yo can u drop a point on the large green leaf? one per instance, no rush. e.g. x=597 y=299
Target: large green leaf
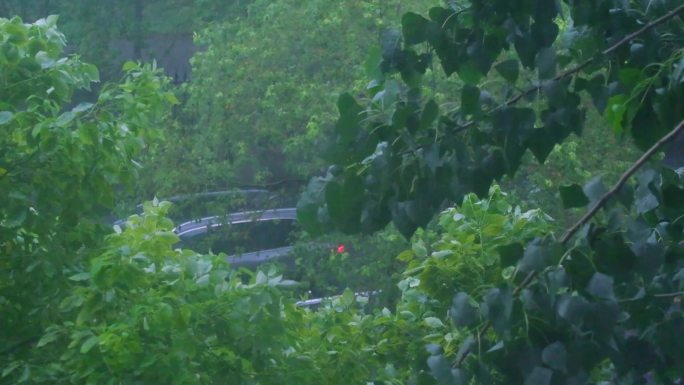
x=537 y=255
x=462 y=311
x=509 y=70
x=555 y=356
x=573 y=196
x=470 y=100
x=5 y=117
x=498 y=308
x=546 y=63
x=414 y=28
x=601 y=286
x=539 y=376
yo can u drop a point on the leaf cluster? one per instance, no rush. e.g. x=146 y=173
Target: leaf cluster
x=405 y=164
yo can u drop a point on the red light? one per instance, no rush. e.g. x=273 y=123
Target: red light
x=340 y=248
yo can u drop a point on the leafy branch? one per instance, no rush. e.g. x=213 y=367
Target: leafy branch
x=623 y=179
x=583 y=65
x=590 y=214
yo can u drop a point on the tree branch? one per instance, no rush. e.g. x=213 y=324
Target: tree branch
x=586 y=63
x=623 y=179
x=599 y=204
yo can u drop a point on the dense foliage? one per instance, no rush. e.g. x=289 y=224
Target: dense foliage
x=60 y=166
x=382 y=158
x=367 y=264
x=144 y=312
x=491 y=292
x=599 y=308
x=261 y=105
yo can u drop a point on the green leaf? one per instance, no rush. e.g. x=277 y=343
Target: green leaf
x=462 y=312
x=597 y=89
x=469 y=73
x=47 y=338
x=261 y=278
x=308 y=206
x=433 y=322
x=535 y=258
x=466 y=347
x=541 y=142
x=64 y=119
x=555 y=356
x=285 y=283
x=614 y=257
x=44 y=59
x=470 y=100
x=10 y=368
x=83 y=106
x=601 y=286
x=645 y=200
x=430 y=113
x=679 y=276
x=572 y=308
x=508 y=69
x=372 y=64
x=348 y=124
x=89 y=343
x=419 y=249
x=91 y=72
x=440 y=369
x=344 y=202
x=630 y=77
x=16 y=217
x=84 y=276
x=414 y=28
x=171 y=98
x=573 y=196
x=25 y=375
x=539 y=376
x=594 y=189
x=5 y=117
x=498 y=307
x=129 y=66
x=546 y=63
x=510 y=254
x=347 y=298
x=51 y=20
x=441 y=254
x=615 y=112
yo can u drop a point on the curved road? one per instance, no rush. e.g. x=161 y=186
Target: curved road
x=202 y=225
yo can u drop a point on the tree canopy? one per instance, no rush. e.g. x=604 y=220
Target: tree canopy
x=261 y=106
x=491 y=290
